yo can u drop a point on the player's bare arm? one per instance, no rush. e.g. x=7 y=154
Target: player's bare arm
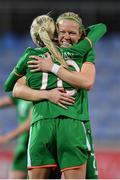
x=83 y=79
x=57 y=95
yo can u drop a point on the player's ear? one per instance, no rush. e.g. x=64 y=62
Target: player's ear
x=80 y=34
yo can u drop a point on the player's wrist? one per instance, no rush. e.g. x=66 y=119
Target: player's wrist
x=48 y=95
x=41 y=95
x=55 y=69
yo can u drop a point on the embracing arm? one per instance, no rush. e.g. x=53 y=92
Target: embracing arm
x=83 y=79
x=57 y=95
x=95 y=32
x=21 y=90
x=10 y=81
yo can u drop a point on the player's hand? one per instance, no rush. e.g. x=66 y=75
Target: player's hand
x=40 y=64
x=60 y=97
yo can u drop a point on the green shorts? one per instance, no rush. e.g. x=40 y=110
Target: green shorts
x=20 y=156
x=91 y=169
x=60 y=141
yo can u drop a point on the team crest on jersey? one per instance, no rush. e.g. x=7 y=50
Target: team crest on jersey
x=67 y=55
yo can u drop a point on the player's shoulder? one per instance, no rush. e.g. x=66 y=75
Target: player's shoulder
x=29 y=49
x=35 y=50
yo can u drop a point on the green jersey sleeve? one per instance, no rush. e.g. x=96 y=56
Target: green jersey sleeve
x=90 y=57
x=21 y=66
x=18 y=71
x=10 y=81
x=82 y=47
x=95 y=32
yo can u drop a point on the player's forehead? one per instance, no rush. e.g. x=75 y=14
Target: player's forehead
x=68 y=24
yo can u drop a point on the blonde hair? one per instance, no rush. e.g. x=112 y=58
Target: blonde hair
x=42 y=32
x=43 y=21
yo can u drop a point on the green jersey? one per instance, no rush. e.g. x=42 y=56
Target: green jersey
x=41 y=80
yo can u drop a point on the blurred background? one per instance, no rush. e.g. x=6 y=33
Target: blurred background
x=15 y=21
